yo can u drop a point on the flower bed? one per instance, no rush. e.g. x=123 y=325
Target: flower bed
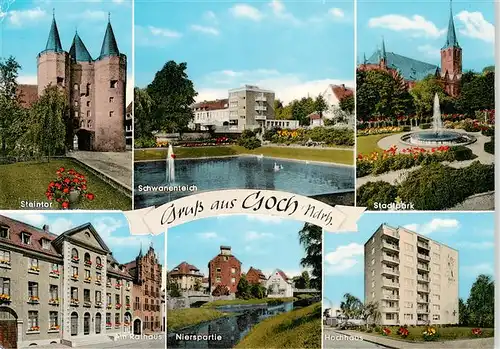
x=68 y=186
x=430 y=334
x=390 y=160
x=204 y=143
x=300 y=136
x=432 y=187
x=382 y=130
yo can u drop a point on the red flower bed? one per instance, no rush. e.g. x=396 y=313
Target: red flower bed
x=66 y=183
x=477 y=332
x=386 y=331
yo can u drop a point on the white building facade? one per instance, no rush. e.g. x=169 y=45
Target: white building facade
x=279 y=285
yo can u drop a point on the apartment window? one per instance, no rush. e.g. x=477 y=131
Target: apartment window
x=373 y=294
x=409 y=258
x=60 y=81
x=98 y=297
x=98 y=276
x=373 y=284
x=111 y=113
x=373 y=261
x=233 y=270
x=26 y=238
x=4 y=232
x=409 y=282
x=111 y=99
x=117 y=298
x=437 y=297
x=117 y=318
x=108 y=318
x=233 y=280
x=89 y=124
x=33 y=262
x=82 y=124
x=409 y=270
x=408 y=316
x=54 y=292
x=436 y=307
x=87 y=90
x=409 y=305
x=108 y=298
x=88 y=113
x=86 y=295
x=113 y=83
x=390 y=316
x=33 y=319
x=74 y=293
x=373 y=250
x=408 y=293
x=88 y=103
x=137 y=304
x=5 y=257
x=373 y=272
x=408 y=247
x=373 y=240
x=53 y=319
x=74 y=254
x=75 y=103
x=436 y=267
x=32 y=289
x=77 y=114
x=146 y=322
x=436 y=277
x=218 y=279
x=87 y=274
x=75 y=87
x=5 y=286
x=75 y=272
x=436 y=317
x=146 y=304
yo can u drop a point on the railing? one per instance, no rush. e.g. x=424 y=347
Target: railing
x=260 y=108
x=422 y=300
x=423 y=289
x=423 y=278
x=260 y=98
x=389 y=309
x=424 y=257
x=387 y=283
x=386 y=257
x=423 y=245
x=390 y=271
x=390 y=296
x=388 y=245
x=423 y=267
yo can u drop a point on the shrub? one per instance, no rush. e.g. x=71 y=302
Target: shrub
x=220 y=290
x=273 y=302
x=369 y=330
x=145 y=142
x=406 y=129
x=461 y=153
x=249 y=143
x=489 y=147
x=269 y=133
x=488 y=131
x=376 y=192
x=425 y=126
x=363 y=168
x=430 y=334
x=377 y=329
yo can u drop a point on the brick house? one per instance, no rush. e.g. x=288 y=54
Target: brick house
x=224 y=269
x=256 y=276
x=187 y=276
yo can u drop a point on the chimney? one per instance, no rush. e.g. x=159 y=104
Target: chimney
x=343 y=86
x=225 y=250
x=46 y=228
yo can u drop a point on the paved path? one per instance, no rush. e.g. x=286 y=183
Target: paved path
x=125 y=343
x=479 y=343
x=339 y=340
x=117 y=166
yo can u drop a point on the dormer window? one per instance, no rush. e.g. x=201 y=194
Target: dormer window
x=46 y=244
x=4 y=232
x=26 y=238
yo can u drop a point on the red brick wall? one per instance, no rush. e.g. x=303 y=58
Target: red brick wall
x=253 y=277
x=226 y=273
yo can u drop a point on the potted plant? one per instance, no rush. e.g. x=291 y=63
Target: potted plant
x=68 y=188
x=4 y=298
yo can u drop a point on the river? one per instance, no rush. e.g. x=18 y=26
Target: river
x=227 y=332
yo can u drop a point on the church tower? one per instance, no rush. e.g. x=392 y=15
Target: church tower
x=53 y=63
x=451 y=60
x=110 y=93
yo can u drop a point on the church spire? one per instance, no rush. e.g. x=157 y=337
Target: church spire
x=451 y=37
x=78 y=51
x=109 y=46
x=54 y=40
x=384 y=54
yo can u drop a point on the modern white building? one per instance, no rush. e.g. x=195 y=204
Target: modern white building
x=280 y=123
x=210 y=114
x=279 y=285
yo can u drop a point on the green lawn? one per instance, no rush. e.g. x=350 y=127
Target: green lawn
x=445 y=333
x=299 y=328
x=245 y=301
x=339 y=156
x=180 y=318
x=29 y=181
x=367 y=144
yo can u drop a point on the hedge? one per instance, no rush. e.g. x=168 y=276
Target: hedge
x=489 y=147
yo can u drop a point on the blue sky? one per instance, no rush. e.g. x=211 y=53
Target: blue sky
x=291 y=47
x=264 y=242
x=28 y=22
x=417 y=29
x=472 y=234
x=111 y=226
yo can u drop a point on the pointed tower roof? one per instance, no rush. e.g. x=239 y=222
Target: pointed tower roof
x=451 y=37
x=109 y=45
x=140 y=252
x=54 y=40
x=364 y=58
x=78 y=51
x=384 y=54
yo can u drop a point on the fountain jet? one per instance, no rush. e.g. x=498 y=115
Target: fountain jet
x=437 y=122
x=170 y=175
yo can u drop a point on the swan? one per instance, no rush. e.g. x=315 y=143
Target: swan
x=276 y=167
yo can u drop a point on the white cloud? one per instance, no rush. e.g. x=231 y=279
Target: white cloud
x=60 y=225
x=35 y=219
x=154 y=36
x=416 y=24
x=279 y=11
x=208 y=235
x=343 y=259
x=246 y=11
x=476 y=26
x=336 y=13
x=430 y=50
x=210 y=16
x=286 y=86
x=254 y=235
x=27 y=80
x=265 y=218
x=167 y=33
x=93 y=15
x=474 y=270
x=205 y=29
x=435 y=225
x=22 y=17
x=484 y=245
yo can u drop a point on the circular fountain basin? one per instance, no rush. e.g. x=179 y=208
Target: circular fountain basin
x=433 y=138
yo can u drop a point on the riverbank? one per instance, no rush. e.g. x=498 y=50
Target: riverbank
x=296 y=329
x=180 y=318
x=221 y=303
x=337 y=155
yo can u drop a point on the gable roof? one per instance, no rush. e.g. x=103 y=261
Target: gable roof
x=314 y=116
x=258 y=272
x=185 y=269
x=341 y=91
x=212 y=105
x=78 y=229
x=410 y=69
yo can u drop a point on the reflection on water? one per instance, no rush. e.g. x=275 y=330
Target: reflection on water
x=241 y=173
x=231 y=329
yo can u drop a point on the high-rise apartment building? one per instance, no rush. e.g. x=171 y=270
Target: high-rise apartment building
x=250 y=107
x=413 y=279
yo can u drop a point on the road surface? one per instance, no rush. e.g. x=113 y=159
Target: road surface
x=337 y=340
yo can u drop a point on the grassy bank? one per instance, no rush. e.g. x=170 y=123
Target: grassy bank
x=296 y=329
x=444 y=333
x=367 y=144
x=180 y=318
x=340 y=156
x=220 y=303
x=28 y=181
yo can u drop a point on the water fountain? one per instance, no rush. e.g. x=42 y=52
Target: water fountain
x=438 y=135
x=170 y=168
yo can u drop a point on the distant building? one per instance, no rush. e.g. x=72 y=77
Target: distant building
x=333 y=95
x=147 y=273
x=187 y=276
x=224 y=269
x=129 y=127
x=281 y=123
x=210 y=114
x=279 y=285
x=256 y=276
x=413 y=279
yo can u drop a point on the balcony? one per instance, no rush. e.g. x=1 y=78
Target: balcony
x=422 y=278
x=75 y=259
x=54 y=301
x=98 y=266
x=394 y=234
x=422 y=289
x=87 y=280
x=260 y=98
x=98 y=305
x=388 y=258
x=423 y=311
x=423 y=267
x=54 y=274
x=423 y=300
x=87 y=304
x=260 y=108
x=389 y=309
x=390 y=284
x=390 y=271
x=422 y=322
x=34 y=270
x=389 y=246
x=260 y=117
x=393 y=322
x=423 y=245
x=423 y=257
x=33 y=300
x=87 y=263
x=74 y=302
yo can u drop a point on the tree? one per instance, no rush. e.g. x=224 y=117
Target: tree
x=197 y=285
x=320 y=105
x=300 y=109
x=243 y=289
x=481 y=302
x=351 y=307
x=346 y=104
x=9 y=71
x=477 y=93
x=489 y=69
x=423 y=94
x=257 y=291
x=220 y=290
x=370 y=311
x=303 y=281
x=173 y=94
x=173 y=289
x=463 y=313
x=310 y=236
x=143 y=106
x=47 y=129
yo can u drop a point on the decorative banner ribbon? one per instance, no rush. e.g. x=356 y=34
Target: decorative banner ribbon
x=243 y=202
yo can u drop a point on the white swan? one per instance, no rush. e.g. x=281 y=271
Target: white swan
x=276 y=167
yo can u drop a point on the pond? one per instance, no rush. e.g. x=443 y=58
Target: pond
x=244 y=172
x=229 y=329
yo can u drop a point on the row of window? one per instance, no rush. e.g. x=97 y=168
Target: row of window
x=112 y=84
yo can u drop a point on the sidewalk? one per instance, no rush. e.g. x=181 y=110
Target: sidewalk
x=479 y=343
